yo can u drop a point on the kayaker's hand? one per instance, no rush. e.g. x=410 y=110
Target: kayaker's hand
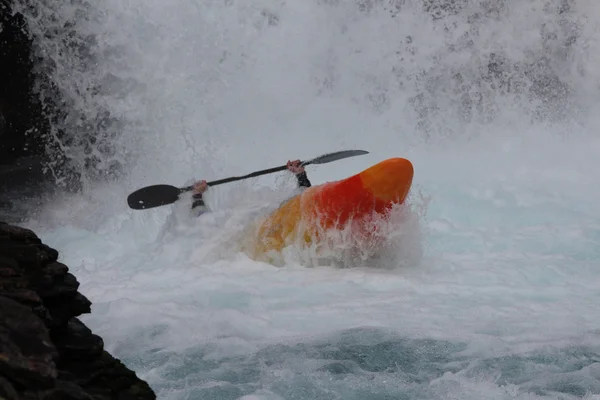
x=295 y=167
x=200 y=187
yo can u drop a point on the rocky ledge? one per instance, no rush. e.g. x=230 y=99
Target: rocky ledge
x=45 y=351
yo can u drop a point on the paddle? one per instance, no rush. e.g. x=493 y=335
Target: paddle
x=160 y=195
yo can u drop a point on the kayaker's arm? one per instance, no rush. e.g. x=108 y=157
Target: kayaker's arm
x=198 y=205
x=297 y=169
x=303 y=179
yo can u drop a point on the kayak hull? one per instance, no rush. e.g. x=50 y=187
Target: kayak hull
x=333 y=205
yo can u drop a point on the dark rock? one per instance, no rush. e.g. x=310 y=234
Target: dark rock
x=25 y=120
x=62 y=311
x=23 y=296
x=7 y=272
x=32 y=109
x=18 y=233
x=67 y=391
x=26 y=353
x=78 y=342
x=65 y=285
x=43 y=313
x=13 y=281
x=104 y=377
x=45 y=352
x=7 y=391
x=9 y=263
x=27 y=255
x=15 y=286
x=56 y=269
x=2 y=124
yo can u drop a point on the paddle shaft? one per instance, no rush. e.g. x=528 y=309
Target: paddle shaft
x=159 y=195
x=239 y=178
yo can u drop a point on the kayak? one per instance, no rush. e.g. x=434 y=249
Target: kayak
x=305 y=217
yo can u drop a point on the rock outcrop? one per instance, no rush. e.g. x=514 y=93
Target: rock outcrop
x=22 y=121
x=46 y=352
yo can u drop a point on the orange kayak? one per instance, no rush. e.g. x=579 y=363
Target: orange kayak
x=333 y=205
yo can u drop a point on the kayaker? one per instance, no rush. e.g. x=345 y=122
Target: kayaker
x=199 y=207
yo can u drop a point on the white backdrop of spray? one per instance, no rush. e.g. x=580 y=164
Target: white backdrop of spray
x=492 y=294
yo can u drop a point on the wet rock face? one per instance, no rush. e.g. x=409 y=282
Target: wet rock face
x=21 y=119
x=46 y=352
x=2 y=124
x=22 y=123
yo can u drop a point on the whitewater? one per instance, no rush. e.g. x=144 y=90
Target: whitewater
x=491 y=287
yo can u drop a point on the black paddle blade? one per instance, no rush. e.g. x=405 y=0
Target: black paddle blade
x=338 y=155
x=153 y=196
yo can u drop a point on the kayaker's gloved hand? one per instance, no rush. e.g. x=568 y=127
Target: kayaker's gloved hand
x=298 y=169
x=199 y=188
x=198 y=204
x=295 y=167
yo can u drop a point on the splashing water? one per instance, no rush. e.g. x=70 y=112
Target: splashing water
x=489 y=290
